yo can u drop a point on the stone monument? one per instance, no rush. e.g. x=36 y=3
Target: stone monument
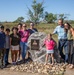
x=36 y=49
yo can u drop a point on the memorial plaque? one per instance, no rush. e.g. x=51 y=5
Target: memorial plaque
x=35 y=44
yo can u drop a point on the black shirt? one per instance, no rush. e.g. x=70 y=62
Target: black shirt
x=32 y=30
x=15 y=39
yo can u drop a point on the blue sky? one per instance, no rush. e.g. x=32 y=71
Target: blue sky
x=10 y=10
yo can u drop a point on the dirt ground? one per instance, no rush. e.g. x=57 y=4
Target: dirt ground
x=6 y=72
x=69 y=72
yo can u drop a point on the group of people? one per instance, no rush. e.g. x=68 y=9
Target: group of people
x=65 y=34
x=17 y=43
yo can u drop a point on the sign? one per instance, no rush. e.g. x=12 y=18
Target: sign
x=35 y=44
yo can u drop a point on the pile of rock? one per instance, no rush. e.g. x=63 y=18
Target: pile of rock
x=34 y=67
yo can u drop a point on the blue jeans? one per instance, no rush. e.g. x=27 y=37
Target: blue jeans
x=6 y=56
x=23 y=49
x=63 y=44
x=72 y=59
x=71 y=48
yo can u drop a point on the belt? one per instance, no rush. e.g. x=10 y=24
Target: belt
x=63 y=39
x=70 y=39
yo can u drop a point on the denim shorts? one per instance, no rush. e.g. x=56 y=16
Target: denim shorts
x=15 y=47
x=50 y=51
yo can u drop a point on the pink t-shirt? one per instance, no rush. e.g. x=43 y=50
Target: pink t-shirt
x=24 y=35
x=49 y=44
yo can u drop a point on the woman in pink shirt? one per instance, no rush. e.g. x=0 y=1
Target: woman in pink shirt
x=24 y=38
x=49 y=43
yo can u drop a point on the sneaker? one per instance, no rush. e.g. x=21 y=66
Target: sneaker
x=23 y=61
x=2 y=67
x=71 y=67
x=7 y=64
x=13 y=63
x=18 y=60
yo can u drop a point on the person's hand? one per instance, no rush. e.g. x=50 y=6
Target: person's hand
x=73 y=45
x=43 y=45
x=11 y=47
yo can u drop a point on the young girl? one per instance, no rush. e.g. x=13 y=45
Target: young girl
x=49 y=43
x=70 y=35
x=14 y=42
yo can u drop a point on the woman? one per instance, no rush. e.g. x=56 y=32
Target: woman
x=72 y=55
x=19 y=27
x=69 y=29
x=19 y=31
x=24 y=38
x=14 y=42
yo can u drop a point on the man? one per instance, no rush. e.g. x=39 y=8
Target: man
x=62 y=39
x=2 y=49
x=32 y=29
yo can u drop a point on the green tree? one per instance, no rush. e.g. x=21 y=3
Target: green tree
x=62 y=16
x=50 y=17
x=37 y=11
x=27 y=21
x=19 y=19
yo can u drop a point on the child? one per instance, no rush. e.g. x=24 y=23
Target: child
x=49 y=43
x=14 y=42
x=7 y=46
x=2 y=49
